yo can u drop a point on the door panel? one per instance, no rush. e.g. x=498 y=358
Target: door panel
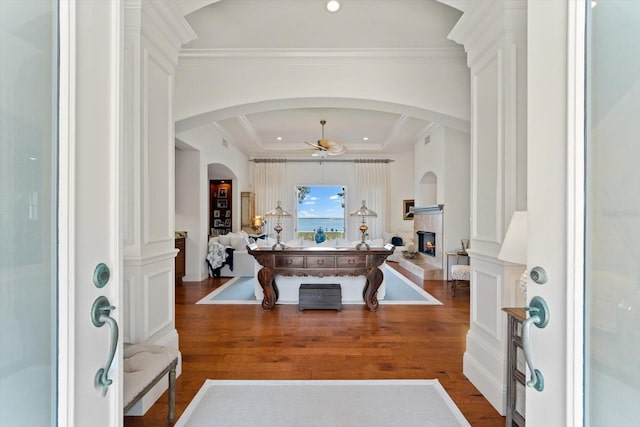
x=584 y=213
x=612 y=235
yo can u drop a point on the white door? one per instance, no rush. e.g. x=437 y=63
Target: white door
x=59 y=80
x=584 y=210
x=89 y=223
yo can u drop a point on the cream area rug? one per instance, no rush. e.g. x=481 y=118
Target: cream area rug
x=398 y=290
x=322 y=403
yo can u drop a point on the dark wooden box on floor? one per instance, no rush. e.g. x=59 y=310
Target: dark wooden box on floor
x=323 y=296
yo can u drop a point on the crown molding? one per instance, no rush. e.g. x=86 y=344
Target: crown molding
x=484 y=23
x=453 y=55
x=161 y=22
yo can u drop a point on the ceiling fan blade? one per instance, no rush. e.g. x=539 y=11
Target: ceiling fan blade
x=316 y=146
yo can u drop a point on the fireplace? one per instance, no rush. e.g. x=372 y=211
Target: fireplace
x=427 y=243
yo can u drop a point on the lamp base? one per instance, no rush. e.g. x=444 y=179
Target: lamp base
x=277 y=245
x=361 y=244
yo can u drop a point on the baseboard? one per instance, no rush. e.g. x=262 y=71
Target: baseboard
x=485 y=383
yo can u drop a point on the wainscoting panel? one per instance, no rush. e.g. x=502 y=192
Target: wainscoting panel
x=486 y=157
x=159 y=303
x=487 y=288
x=157 y=150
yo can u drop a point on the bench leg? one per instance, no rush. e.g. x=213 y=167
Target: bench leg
x=172 y=390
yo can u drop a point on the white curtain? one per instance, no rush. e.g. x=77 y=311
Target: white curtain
x=269 y=184
x=372 y=180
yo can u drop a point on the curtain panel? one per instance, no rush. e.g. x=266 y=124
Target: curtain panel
x=269 y=184
x=372 y=186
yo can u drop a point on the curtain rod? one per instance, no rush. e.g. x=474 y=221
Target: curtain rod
x=320 y=161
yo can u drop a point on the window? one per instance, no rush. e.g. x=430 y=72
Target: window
x=320 y=212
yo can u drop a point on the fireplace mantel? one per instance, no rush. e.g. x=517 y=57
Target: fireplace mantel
x=426 y=210
x=429 y=218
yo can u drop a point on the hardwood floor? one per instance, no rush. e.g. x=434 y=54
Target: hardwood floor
x=396 y=342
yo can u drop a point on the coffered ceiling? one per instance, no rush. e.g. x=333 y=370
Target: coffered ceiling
x=250 y=27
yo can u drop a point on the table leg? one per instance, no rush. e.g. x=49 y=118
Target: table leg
x=370 y=292
x=269 y=288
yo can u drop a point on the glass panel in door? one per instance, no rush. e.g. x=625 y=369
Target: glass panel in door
x=28 y=191
x=612 y=235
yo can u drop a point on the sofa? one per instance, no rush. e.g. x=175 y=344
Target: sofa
x=227 y=256
x=402 y=240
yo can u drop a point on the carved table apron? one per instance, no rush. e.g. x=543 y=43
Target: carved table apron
x=320 y=262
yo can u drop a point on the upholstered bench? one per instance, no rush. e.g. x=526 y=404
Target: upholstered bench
x=460 y=274
x=144 y=366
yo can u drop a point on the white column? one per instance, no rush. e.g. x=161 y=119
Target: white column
x=494 y=36
x=154 y=32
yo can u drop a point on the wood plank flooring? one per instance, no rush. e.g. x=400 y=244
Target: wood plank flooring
x=396 y=342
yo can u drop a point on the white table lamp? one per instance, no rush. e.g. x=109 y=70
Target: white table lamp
x=363 y=212
x=277 y=213
x=514 y=246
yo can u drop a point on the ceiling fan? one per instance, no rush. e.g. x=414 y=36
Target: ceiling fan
x=326 y=147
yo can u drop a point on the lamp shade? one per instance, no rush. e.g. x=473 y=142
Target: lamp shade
x=277 y=212
x=514 y=245
x=363 y=211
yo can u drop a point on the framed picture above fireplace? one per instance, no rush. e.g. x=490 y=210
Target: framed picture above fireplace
x=407 y=209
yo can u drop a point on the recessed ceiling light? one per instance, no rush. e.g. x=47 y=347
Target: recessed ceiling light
x=366 y=138
x=279 y=138
x=333 y=6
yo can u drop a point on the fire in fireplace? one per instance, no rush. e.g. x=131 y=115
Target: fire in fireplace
x=427 y=243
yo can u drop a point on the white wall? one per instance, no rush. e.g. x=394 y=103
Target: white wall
x=208 y=143
x=446 y=156
x=457 y=188
x=402 y=187
x=187 y=182
x=439 y=86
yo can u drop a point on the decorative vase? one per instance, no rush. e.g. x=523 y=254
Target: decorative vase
x=320 y=236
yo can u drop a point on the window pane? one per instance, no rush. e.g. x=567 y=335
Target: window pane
x=320 y=212
x=28 y=194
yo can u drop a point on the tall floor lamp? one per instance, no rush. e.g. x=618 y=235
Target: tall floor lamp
x=277 y=213
x=363 y=212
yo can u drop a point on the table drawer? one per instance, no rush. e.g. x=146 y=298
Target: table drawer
x=289 y=262
x=321 y=262
x=352 y=262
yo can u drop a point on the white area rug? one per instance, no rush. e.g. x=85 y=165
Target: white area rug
x=398 y=290
x=322 y=403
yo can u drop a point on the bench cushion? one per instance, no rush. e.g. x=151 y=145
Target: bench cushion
x=460 y=272
x=142 y=364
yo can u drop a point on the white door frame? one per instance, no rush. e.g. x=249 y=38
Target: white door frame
x=89 y=207
x=556 y=203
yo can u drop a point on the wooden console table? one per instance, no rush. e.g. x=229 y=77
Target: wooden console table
x=320 y=262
